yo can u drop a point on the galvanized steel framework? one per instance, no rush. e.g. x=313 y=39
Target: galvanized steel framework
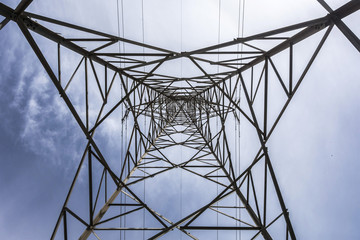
x=191 y=106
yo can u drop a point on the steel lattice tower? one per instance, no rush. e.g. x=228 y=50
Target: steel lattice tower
x=171 y=114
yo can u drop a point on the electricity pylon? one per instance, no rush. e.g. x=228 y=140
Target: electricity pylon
x=169 y=114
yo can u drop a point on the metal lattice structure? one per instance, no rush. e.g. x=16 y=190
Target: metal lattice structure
x=127 y=85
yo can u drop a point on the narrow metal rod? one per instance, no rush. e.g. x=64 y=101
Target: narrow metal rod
x=86 y=96
x=90 y=187
x=291 y=69
x=266 y=84
x=265 y=190
x=65 y=225
x=59 y=63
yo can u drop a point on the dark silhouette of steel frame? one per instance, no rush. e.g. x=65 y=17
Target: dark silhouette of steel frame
x=212 y=95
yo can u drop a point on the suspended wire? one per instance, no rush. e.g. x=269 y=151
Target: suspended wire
x=237 y=174
x=217 y=119
x=126 y=138
x=243 y=18
x=122 y=113
x=143 y=27
x=181 y=83
x=219 y=31
x=123 y=23
x=124 y=123
x=118 y=22
x=145 y=123
x=142 y=20
x=181 y=38
x=237 y=155
x=121 y=87
x=241 y=24
x=239 y=151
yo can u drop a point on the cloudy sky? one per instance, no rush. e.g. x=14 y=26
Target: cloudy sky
x=314 y=150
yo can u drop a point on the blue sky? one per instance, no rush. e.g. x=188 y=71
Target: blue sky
x=314 y=149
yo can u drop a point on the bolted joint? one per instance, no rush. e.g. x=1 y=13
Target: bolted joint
x=319 y=26
x=29 y=24
x=14 y=16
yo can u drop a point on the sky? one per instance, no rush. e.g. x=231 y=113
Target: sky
x=314 y=149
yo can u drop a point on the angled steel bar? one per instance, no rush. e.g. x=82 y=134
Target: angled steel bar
x=63 y=94
x=262 y=142
x=293 y=91
x=83 y=29
x=159 y=99
x=257 y=221
x=125 y=97
x=222 y=91
x=112 y=198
